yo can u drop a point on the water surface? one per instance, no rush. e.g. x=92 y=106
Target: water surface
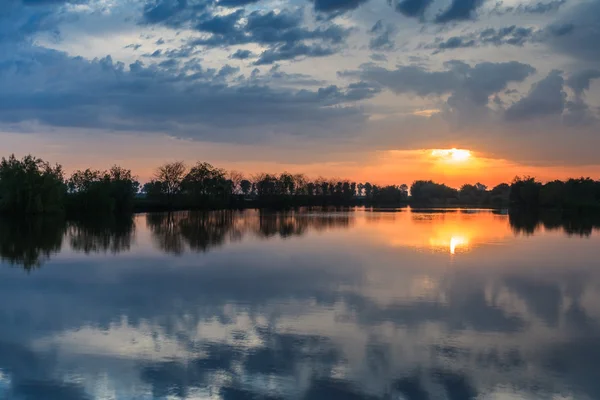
x=430 y=304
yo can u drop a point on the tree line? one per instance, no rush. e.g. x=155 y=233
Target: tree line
x=33 y=186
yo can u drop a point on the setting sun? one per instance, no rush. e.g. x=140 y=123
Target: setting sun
x=454 y=154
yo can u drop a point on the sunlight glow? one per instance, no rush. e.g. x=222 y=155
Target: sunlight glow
x=455 y=242
x=454 y=154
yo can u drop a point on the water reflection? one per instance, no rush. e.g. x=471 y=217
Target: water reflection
x=202 y=231
x=571 y=222
x=30 y=242
x=112 y=235
x=304 y=305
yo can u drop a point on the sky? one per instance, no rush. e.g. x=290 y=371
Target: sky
x=357 y=89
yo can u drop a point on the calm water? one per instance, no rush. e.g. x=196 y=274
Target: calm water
x=339 y=305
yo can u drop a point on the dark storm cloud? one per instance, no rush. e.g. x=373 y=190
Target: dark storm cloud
x=546 y=97
x=462 y=81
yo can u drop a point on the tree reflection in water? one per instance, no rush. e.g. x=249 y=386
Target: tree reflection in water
x=202 y=231
x=112 y=235
x=31 y=242
x=570 y=222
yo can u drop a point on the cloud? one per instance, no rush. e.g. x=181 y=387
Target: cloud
x=51 y=2
x=454 y=42
x=105 y=94
x=546 y=97
x=532 y=8
x=291 y=51
x=540 y=7
x=577 y=32
x=580 y=81
x=383 y=37
x=336 y=6
x=173 y=13
x=275 y=74
x=282 y=32
x=460 y=80
x=241 y=54
x=459 y=10
x=220 y=24
x=236 y=3
x=413 y=8
x=378 y=57
x=577 y=110
x=510 y=35
x=17 y=21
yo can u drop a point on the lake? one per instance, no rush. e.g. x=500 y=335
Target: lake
x=336 y=304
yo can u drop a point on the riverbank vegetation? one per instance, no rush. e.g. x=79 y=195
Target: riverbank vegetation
x=33 y=186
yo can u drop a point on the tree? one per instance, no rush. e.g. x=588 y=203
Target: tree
x=390 y=195
x=93 y=191
x=31 y=186
x=525 y=192
x=368 y=189
x=500 y=194
x=170 y=176
x=207 y=186
x=245 y=186
x=429 y=192
x=288 y=184
x=236 y=179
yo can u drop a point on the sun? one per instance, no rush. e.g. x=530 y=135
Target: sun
x=453 y=154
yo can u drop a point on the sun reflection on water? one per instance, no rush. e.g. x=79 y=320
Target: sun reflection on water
x=450 y=232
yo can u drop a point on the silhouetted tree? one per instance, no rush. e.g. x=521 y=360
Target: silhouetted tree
x=429 y=192
x=170 y=176
x=207 y=185
x=92 y=191
x=245 y=187
x=525 y=192
x=499 y=195
x=31 y=186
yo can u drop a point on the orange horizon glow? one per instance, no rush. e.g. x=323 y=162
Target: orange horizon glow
x=454 y=165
